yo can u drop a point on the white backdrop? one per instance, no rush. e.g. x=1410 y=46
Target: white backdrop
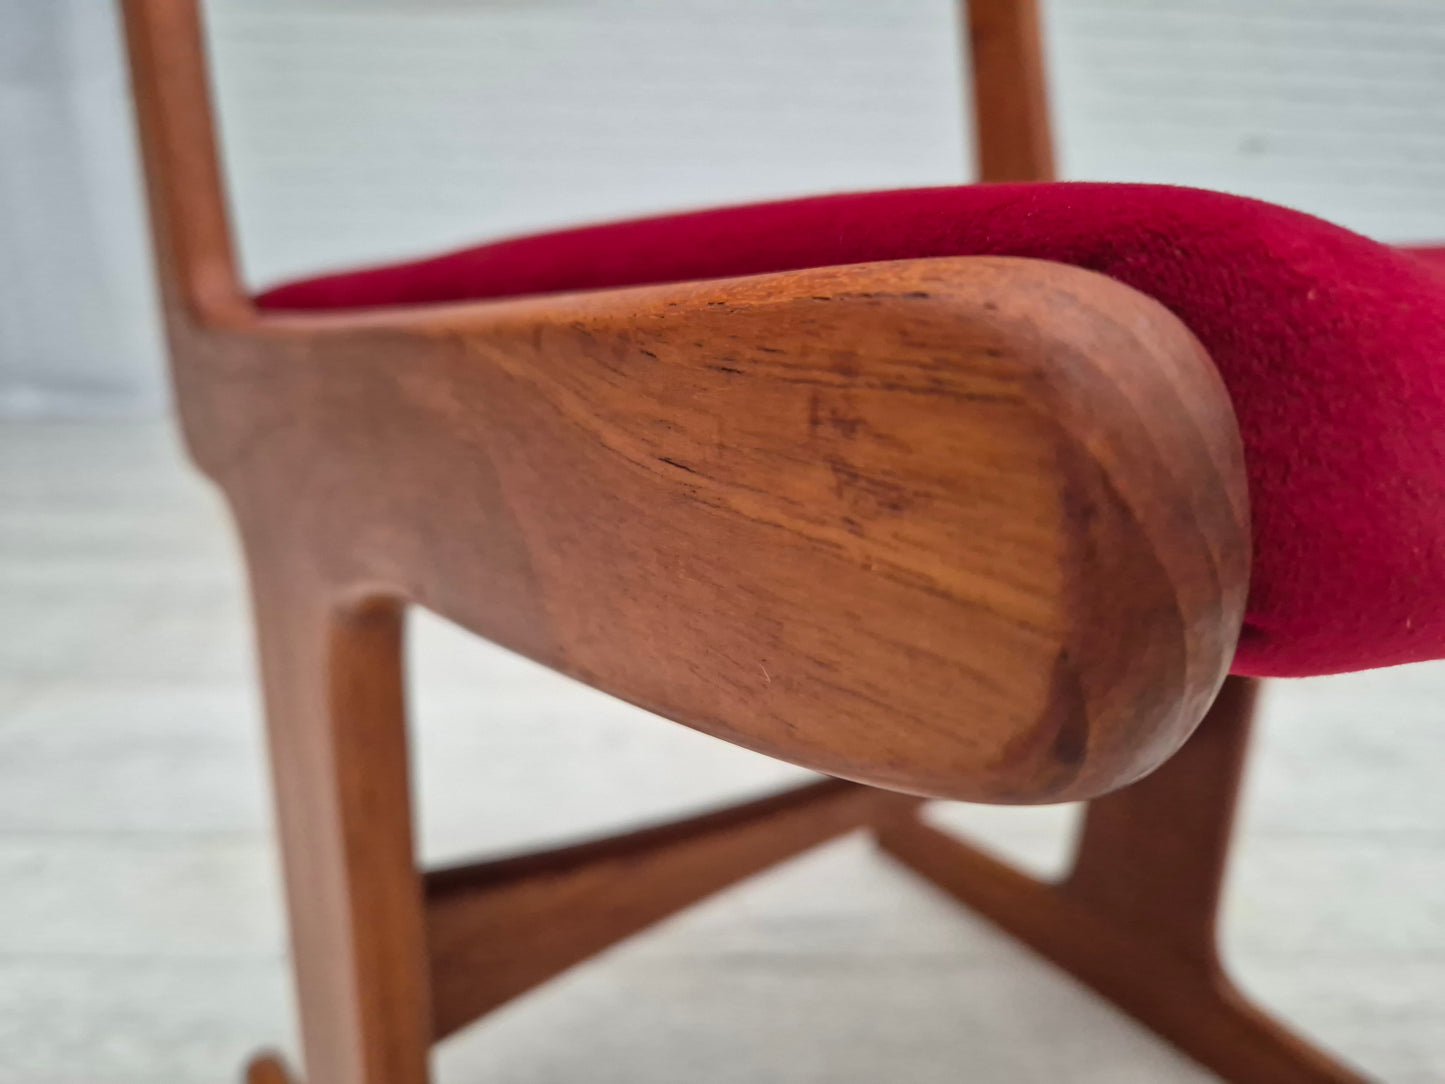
x=77 y=332
x=367 y=129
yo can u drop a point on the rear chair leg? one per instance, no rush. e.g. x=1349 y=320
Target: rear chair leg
x=1136 y=918
x=336 y=725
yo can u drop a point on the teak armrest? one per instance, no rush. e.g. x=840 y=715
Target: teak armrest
x=974 y=528
x=968 y=528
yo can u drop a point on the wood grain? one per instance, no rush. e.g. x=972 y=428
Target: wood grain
x=964 y=528
x=971 y=528
x=332 y=675
x=1010 y=102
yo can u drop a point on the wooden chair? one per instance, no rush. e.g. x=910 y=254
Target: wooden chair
x=1015 y=572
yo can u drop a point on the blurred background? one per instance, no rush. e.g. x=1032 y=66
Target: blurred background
x=140 y=929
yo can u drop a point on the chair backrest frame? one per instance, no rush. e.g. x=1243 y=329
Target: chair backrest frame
x=190 y=208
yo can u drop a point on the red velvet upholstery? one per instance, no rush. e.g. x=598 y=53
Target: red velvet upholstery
x=1332 y=346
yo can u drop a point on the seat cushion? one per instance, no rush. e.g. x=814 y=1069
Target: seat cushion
x=1332 y=347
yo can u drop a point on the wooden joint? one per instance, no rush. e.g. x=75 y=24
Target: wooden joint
x=496 y=929
x=1135 y=919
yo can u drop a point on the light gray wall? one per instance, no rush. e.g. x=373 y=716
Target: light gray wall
x=399 y=127
x=1336 y=107
x=78 y=333
x=359 y=130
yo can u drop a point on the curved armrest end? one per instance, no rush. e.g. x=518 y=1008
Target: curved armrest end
x=973 y=528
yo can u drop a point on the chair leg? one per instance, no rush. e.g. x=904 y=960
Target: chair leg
x=336 y=726
x=1136 y=918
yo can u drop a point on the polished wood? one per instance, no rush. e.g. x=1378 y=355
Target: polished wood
x=971 y=528
x=497 y=929
x=332 y=674
x=1153 y=856
x=1135 y=918
x=1012 y=137
x=966 y=528
x=195 y=255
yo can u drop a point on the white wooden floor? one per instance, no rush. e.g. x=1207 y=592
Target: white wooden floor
x=141 y=939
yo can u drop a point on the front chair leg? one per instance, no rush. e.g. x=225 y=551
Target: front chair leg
x=336 y=725
x=1136 y=917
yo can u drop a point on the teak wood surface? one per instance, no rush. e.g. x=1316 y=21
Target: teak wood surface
x=961 y=528
x=966 y=528
x=1009 y=91
x=1136 y=916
